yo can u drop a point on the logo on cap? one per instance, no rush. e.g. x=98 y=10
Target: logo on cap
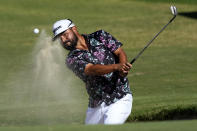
x=56 y=29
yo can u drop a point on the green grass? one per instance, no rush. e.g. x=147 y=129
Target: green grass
x=141 y=126
x=164 y=77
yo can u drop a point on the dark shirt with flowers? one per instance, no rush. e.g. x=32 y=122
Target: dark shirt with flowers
x=107 y=88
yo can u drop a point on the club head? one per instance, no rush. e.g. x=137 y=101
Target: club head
x=174 y=10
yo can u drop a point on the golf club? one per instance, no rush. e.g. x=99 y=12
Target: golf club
x=174 y=12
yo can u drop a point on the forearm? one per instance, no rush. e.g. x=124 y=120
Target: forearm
x=123 y=58
x=121 y=55
x=123 y=71
x=99 y=69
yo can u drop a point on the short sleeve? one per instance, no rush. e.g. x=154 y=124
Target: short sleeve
x=109 y=41
x=77 y=66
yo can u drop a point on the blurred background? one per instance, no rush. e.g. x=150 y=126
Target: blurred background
x=36 y=88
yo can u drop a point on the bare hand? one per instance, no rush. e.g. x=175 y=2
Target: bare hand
x=124 y=68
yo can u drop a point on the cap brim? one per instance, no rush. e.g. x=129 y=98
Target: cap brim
x=56 y=36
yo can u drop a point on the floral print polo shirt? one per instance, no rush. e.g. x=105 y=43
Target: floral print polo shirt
x=107 y=88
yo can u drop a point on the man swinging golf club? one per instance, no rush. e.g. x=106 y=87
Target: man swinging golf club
x=101 y=63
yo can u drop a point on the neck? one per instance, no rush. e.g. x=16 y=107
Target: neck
x=81 y=44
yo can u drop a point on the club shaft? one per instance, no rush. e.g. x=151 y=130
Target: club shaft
x=134 y=59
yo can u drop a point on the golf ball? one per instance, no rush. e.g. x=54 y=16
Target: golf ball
x=36 y=30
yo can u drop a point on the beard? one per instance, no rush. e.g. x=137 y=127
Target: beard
x=72 y=45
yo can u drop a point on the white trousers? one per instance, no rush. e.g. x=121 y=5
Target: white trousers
x=116 y=113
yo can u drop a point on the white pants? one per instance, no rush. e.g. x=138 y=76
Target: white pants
x=116 y=113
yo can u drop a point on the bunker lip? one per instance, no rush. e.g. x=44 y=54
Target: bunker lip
x=192 y=14
x=176 y=113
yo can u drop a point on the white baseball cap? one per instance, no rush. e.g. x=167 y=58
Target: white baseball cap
x=61 y=26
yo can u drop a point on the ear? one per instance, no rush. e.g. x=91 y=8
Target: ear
x=74 y=29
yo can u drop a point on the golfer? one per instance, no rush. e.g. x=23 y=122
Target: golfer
x=101 y=63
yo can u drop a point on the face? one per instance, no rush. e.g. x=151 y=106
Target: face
x=68 y=39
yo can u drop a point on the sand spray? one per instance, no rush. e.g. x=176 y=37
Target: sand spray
x=48 y=92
